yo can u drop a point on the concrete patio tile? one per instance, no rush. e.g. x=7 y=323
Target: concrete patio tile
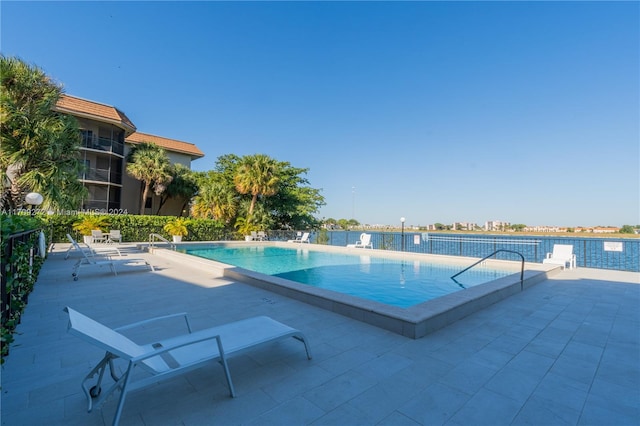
x=562 y=392
x=492 y=358
x=343 y=415
x=512 y=383
x=346 y=360
x=537 y=411
x=300 y=383
x=379 y=401
x=508 y=343
x=581 y=370
x=339 y=390
x=565 y=351
x=531 y=363
x=383 y=366
x=468 y=377
x=605 y=390
x=297 y=411
x=435 y=405
x=397 y=419
x=545 y=346
x=600 y=411
x=486 y=408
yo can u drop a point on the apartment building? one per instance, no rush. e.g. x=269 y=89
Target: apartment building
x=107 y=137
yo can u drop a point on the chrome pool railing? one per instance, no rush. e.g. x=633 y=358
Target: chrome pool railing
x=453 y=277
x=152 y=240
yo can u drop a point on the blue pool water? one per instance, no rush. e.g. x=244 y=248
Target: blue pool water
x=391 y=281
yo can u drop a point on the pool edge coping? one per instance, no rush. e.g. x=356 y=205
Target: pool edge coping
x=413 y=322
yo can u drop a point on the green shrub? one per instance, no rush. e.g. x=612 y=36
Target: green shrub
x=19 y=272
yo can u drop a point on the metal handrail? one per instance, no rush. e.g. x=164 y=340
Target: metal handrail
x=152 y=239
x=453 y=277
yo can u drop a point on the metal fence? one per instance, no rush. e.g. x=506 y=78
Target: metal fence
x=591 y=252
x=9 y=291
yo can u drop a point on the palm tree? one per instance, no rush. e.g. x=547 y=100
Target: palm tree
x=40 y=147
x=150 y=164
x=215 y=199
x=182 y=187
x=257 y=175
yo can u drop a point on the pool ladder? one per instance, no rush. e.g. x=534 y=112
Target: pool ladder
x=453 y=277
x=152 y=240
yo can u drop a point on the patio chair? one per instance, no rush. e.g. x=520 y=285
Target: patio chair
x=172 y=356
x=562 y=255
x=98 y=236
x=114 y=236
x=262 y=236
x=364 y=242
x=303 y=239
x=90 y=251
x=97 y=259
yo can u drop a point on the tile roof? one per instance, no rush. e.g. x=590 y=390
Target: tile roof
x=94 y=110
x=168 y=144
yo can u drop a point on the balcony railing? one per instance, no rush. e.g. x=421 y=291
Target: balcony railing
x=102 y=175
x=102 y=144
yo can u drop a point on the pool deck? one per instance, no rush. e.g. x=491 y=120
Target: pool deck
x=565 y=351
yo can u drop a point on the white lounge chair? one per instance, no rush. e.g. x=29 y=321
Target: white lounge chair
x=90 y=251
x=96 y=259
x=562 y=255
x=170 y=357
x=114 y=236
x=303 y=239
x=262 y=236
x=98 y=237
x=364 y=242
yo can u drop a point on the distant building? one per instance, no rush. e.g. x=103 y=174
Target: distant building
x=464 y=226
x=107 y=137
x=544 y=229
x=496 y=225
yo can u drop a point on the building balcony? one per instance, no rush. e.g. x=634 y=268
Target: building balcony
x=102 y=144
x=101 y=175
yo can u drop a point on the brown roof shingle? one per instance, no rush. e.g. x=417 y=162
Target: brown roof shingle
x=97 y=111
x=168 y=144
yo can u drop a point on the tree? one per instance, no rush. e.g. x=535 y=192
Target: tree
x=295 y=203
x=150 y=164
x=182 y=186
x=40 y=147
x=291 y=206
x=216 y=197
x=627 y=229
x=256 y=175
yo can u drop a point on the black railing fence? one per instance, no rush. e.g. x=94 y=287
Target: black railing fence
x=591 y=252
x=14 y=278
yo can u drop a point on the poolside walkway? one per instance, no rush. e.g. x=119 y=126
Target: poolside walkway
x=566 y=351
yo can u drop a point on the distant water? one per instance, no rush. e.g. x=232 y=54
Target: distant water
x=606 y=252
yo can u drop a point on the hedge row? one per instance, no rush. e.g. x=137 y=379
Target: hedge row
x=20 y=268
x=137 y=228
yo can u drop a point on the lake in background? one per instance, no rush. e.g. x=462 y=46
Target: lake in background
x=606 y=252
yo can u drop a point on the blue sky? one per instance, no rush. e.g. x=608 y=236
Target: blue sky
x=526 y=112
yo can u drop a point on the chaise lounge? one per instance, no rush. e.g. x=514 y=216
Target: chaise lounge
x=363 y=242
x=170 y=357
x=562 y=255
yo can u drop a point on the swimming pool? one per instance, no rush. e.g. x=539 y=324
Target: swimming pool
x=396 y=282
x=414 y=321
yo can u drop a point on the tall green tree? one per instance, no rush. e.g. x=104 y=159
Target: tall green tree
x=216 y=198
x=150 y=164
x=40 y=147
x=296 y=203
x=257 y=175
x=292 y=204
x=182 y=187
